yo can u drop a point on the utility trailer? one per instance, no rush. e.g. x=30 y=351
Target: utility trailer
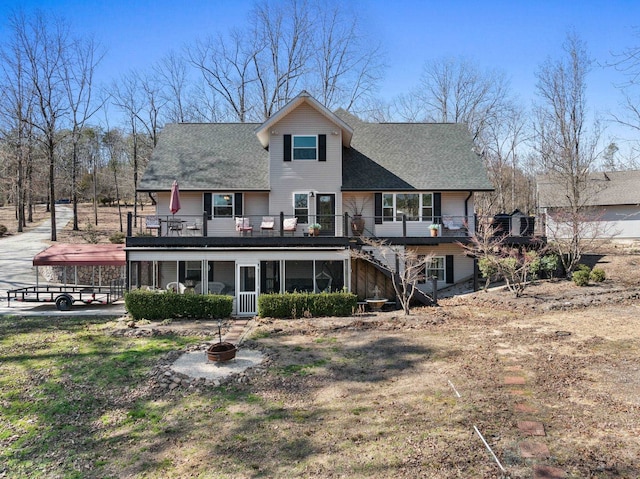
x=64 y=296
x=75 y=261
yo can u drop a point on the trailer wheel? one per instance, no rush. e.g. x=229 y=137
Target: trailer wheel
x=64 y=303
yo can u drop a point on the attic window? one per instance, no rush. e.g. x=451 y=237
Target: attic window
x=305 y=147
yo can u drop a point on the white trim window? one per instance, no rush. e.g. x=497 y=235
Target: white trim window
x=416 y=206
x=222 y=205
x=435 y=267
x=305 y=147
x=301 y=207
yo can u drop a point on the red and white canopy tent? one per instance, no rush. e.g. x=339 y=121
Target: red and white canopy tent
x=81 y=255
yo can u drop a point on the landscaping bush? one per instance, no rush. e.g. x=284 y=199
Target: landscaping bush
x=3 y=230
x=598 y=275
x=117 y=237
x=581 y=277
x=549 y=265
x=169 y=305
x=297 y=305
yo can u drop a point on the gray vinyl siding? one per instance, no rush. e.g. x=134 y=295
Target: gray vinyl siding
x=304 y=175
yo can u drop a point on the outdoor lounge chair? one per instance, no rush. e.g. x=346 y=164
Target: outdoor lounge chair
x=152 y=223
x=290 y=225
x=267 y=224
x=243 y=225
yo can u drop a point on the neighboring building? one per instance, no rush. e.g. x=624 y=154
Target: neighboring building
x=610 y=201
x=249 y=192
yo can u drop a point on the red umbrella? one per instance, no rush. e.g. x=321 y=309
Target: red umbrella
x=174 y=203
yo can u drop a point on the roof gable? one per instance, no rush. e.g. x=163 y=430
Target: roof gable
x=263 y=131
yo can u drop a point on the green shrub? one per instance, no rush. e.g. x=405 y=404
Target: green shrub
x=297 y=305
x=549 y=265
x=581 y=277
x=151 y=305
x=117 y=237
x=583 y=267
x=3 y=230
x=487 y=268
x=598 y=275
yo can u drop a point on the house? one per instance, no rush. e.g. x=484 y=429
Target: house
x=249 y=192
x=610 y=203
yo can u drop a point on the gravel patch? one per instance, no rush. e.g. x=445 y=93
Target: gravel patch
x=196 y=365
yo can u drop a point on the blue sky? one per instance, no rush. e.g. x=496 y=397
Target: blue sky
x=512 y=36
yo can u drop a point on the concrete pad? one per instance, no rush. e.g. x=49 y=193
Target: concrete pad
x=196 y=365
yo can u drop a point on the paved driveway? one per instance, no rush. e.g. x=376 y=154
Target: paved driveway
x=17 y=270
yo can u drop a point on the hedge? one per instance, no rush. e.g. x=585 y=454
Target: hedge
x=170 y=305
x=297 y=305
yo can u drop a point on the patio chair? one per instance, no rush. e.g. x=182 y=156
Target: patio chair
x=193 y=228
x=152 y=223
x=176 y=287
x=243 y=225
x=267 y=224
x=175 y=226
x=289 y=225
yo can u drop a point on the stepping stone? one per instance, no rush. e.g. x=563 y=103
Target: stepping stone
x=514 y=367
x=532 y=428
x=514 y=380
x=517 y=392
x=547 y=472
x=524 y=407
x=530 y=449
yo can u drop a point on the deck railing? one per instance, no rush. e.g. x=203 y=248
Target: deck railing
x=181 y=225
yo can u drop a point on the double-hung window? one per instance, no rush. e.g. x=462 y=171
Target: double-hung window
x=416 y=207
x=434 y=266
x=305 y=147
x=219 y=205
x=301 y=207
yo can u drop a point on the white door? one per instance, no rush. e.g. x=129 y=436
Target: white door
x=247 y=290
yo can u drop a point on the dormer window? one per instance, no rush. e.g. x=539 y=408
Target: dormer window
x=305 y=147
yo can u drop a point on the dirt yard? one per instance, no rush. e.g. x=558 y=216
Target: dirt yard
x=562 y=358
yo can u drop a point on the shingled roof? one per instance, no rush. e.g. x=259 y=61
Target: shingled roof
x=381 y=156
x=603 y=189
x=208 y=156
x=407 y=156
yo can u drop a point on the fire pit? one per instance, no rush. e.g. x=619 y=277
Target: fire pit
x=221 y=351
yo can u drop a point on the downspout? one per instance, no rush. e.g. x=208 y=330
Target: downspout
x=475 y=259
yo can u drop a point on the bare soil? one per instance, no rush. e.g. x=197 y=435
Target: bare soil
x=111 y=219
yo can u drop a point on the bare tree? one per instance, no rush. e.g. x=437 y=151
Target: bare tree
x=226 y=68
x=139 y=98
x=289 y=45
x=455 y=90
x=567 y=149
x=503 y=142
x=16 y=107
x=79 y=85
x=405 y=266
x=44 y=42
